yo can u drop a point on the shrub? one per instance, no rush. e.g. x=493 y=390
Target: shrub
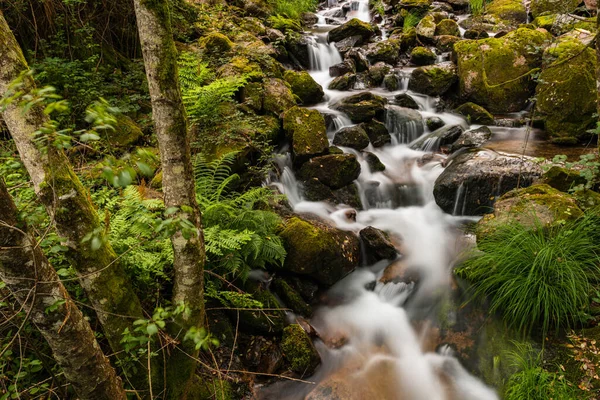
x=536 y=275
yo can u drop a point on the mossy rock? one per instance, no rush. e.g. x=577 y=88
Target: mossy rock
x=412 y=4
x=252 y=95
x=291 y=297
x=125 y=134
x=216 y=44
x=422 y=56
x=562 y=179
x=377 y=132
x=545 y=21
x=238 y=66
x=445 y=43
x=405 y=100
x=278 y=96
x=566 y=94
x=497 y=73
x=425 y=29
x=299 y=350
x=387 y=51
x=333 y=170
x=374 y=163
x=255 y=321
x=354 y=137
x=475 y=114
x=447 y=27
x=587 y=199
x=306 y=130
x=433 y=80
x=344 y=82
x=537 y=205
x=320 y=251
x=539 y=7
x=209 y=389
x=354 y=27
x=304 y=86
x=508 y=10
x=361 y=107
x=408 y=39
x=377 y=72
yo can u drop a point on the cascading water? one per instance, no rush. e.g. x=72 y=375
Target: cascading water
x=383 y=354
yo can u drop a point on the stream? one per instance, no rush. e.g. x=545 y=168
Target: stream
x=384 y=327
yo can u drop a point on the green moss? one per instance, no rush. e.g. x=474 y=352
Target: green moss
x=386 y=51
x=343 y=82
x=476 y=114
x=307 y=131
x=433 y=80
x=211 y=389
x=539 y=7
x=238 y=66
x=509 y=10
x=447 y=27
x=298 y=350
x=562 y=179
x=304 y=86
x=426 y=27
x=354 y=27
x=545 y=21
x=422 y=56
x=126 y=133
x=216 y=44
x=292 y=298
x=278 y=96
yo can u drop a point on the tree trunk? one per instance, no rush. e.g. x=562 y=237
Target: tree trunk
x=68 y=204
x=35 y=284
x=168 y=113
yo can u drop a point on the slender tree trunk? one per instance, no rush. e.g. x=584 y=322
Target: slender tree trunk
x=168 y=113
x=35 y=284
x=68 y=204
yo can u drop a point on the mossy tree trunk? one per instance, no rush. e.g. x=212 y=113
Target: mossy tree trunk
x=168 y=114
x=69 y=205
x=35 y=284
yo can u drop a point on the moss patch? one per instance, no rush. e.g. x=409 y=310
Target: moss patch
x=298 y=350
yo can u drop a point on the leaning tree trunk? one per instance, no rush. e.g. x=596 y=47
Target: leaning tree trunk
x=34 y=283
x=168 y=113
x=68 y=204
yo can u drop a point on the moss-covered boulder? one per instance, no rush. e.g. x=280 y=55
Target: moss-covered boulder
x=377 y=133
x=377 y=245
x=304 y=86
x=378 y=72
x=353 y=136
x=512 y=11
x=425 y=29
x=334 y=170
x=405 y=100
x=476 y=114
x=422 y=56
x=252 y=95
x=297 y=46
x=306 y=130
x=537 y=205
x=216 y=44
x=476 y=34
x=433 y=80
x=354 y=27
x=447 y=27
x=562 y=179
x=343 y=82
x=566 y=93
x=325 y=253
x=497 y=73
x=387 y=51
x=445 y=43
x=373 y=162
x=278 y=96
x=361 y=107
x=291 y=298
x=125 y=134
x=539 y=7
x=299 y=350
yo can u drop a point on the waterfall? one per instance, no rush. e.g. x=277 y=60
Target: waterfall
x=322 y=54
x=405 y=125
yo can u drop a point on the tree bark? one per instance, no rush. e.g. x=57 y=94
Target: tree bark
x=168 y=114
x=68 y=204
x=35 y=284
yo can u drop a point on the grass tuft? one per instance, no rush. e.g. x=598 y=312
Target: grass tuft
x=476 y=7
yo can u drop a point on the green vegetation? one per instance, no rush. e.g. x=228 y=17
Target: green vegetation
x=476 y=7
x=536 y=277
x=412 y=19
x=293 y=8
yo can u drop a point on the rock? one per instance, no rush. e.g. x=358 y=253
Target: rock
x=275 y=35
x=374 y=163
x=458 y=4
x=387 y=51
x=405 y=100
x=278 y=96
x=325 y=253
x=392 y=82
x=359 y=59
x=434 y=123
x=354 y=27
x=477 y=178
x=314 y=190
x=475 y=34
x=539 y=7
x=344 y=82
x=125 y=134
x=262 y=355
x=349 y=196
x=361 y=107
x=304 y=86
x=426 y=29
x=566 y=91
x=377 y=72
x=472 y=138
x=404 y=123
x=447 y=27
x=309 y=19
x=299 y=350
x=342 y=68
x=345 y=45
x=443 y=136
x=261 y=322
x=291 y=297
x=475 y=114
x=353 y=136
x=445 y=43
x=377 y=133
x=306 y=130
x=563 y=179
x=496 y=73
x=537 y=205
x=377 y=245
x=297 y=46
x=433 y=80
x=334 y=170
x=511 y=11
x=415 y=4
x=422 y=56
x=252 y=95
x=216 y=44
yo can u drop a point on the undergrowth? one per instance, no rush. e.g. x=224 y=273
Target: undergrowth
x=293 y=8
x=412 y=19
x=476 y=7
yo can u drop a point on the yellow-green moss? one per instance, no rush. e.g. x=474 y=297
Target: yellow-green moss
x=298 y=350
x=538 y=7
x=509 y=10
x=307 y=131
x=304 y=86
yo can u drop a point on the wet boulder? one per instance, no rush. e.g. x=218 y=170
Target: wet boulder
x=475 y=114
x=353 y=136
x=374 y=163
x=377 y=133
x=405 y=124
x=422 y=56
x=472 y=181
x=298 y=47
x=361 y=107
x=277 y=96
x=354 y=27
x=291 y=298
x=387 y=51
x=562 y=178
x=426 y=29
x=392 y=82
x=358 y=58
x=347 y=44
x=566 y=91
x=405 y=100
x=434 y=123
x=433 y=80
x=443 y=136
x=306 y=130
x=472 y=138
x=325 y=253
x=343 y=82
x=377 y=245
x=377 y=72
x=497 y=73
x=342 y=68
x=299 y=351
x=447 y=27
x=476 y=34
x=304 y=86
x=334 y=170
x=314 y=190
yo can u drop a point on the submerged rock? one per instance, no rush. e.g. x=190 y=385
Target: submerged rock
x=404 y=123
x=361 y=107
x=474 y=180
x=313 y=248
x=433 y=80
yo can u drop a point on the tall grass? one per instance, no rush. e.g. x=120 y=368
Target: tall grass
x=293 y=8
x=412 y=19
x=536 y=276
x=476 y=7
